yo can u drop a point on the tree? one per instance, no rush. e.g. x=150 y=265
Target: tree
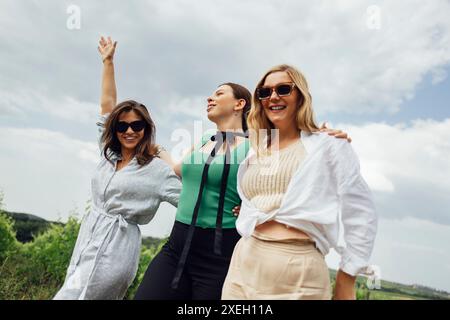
x=7 y=235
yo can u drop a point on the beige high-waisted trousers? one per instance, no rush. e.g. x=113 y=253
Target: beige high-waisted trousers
x=283 y=269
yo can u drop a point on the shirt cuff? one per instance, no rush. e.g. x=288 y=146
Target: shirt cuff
x=355 y=266
x=102 y=119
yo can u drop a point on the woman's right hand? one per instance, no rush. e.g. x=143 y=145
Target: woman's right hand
x=108 y=98
x=107 y=48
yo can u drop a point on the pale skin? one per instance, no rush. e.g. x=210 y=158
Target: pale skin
x=284 y=121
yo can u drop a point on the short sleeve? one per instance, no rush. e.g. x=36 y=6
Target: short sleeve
x=170 y=186
x=101 y=128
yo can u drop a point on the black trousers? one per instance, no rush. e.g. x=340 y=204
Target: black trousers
x=204 y=272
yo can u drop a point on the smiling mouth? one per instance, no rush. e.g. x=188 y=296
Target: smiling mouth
x=277 y=108
x=209 y=107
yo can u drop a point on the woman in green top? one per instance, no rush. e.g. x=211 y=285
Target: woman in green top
x=194 y=262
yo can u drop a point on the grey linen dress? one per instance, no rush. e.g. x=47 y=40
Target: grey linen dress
x=106 y=255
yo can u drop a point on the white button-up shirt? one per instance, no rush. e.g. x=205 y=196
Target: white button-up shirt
x=326 y=185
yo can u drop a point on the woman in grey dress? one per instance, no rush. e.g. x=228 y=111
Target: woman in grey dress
x=129 y=183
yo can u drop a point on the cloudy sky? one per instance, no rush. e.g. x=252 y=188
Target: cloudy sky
x=377 y=69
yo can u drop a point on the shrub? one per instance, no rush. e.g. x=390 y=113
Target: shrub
x=8 y=240
x=50 y=252
x=36 y=270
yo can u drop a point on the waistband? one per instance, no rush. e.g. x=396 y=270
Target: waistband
x=264 y=237
x=287 y=246
x=118 y=217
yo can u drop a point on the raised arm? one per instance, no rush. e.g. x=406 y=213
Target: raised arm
x=108 y=97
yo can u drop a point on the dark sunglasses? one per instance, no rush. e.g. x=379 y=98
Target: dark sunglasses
x=282 y=90
x=136 y=126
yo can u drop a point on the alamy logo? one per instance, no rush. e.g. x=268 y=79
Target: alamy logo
x=373 y=20
x=74 y=19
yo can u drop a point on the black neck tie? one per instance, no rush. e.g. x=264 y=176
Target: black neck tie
x=220 y=137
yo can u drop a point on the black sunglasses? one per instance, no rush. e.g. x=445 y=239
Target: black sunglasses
x=282 y=90
x=136 y=126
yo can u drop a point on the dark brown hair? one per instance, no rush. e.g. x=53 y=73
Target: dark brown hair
x=146 y=149
x=241 y=92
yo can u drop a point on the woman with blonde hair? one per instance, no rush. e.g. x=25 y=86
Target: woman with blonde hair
x=294 y=184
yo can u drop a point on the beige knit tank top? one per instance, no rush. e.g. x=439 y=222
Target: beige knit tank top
x=267 y=178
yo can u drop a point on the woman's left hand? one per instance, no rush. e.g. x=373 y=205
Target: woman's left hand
x=336 y=133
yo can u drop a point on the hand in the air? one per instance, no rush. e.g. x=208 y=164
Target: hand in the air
x=107 y=48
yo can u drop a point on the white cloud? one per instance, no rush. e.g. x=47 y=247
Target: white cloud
x=187 y=48
x=45 y=172
x=350 y=66
x=406 y=166
x=22 y=103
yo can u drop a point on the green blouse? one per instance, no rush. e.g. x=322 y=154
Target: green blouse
x=191 y=172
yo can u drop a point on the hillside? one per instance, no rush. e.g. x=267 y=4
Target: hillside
x=27 y=225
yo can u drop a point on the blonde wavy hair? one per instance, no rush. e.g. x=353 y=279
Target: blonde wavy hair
x=257 y=119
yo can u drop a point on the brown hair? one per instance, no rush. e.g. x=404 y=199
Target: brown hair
x=257 y=119
x=146 y=149
x=241 y=92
